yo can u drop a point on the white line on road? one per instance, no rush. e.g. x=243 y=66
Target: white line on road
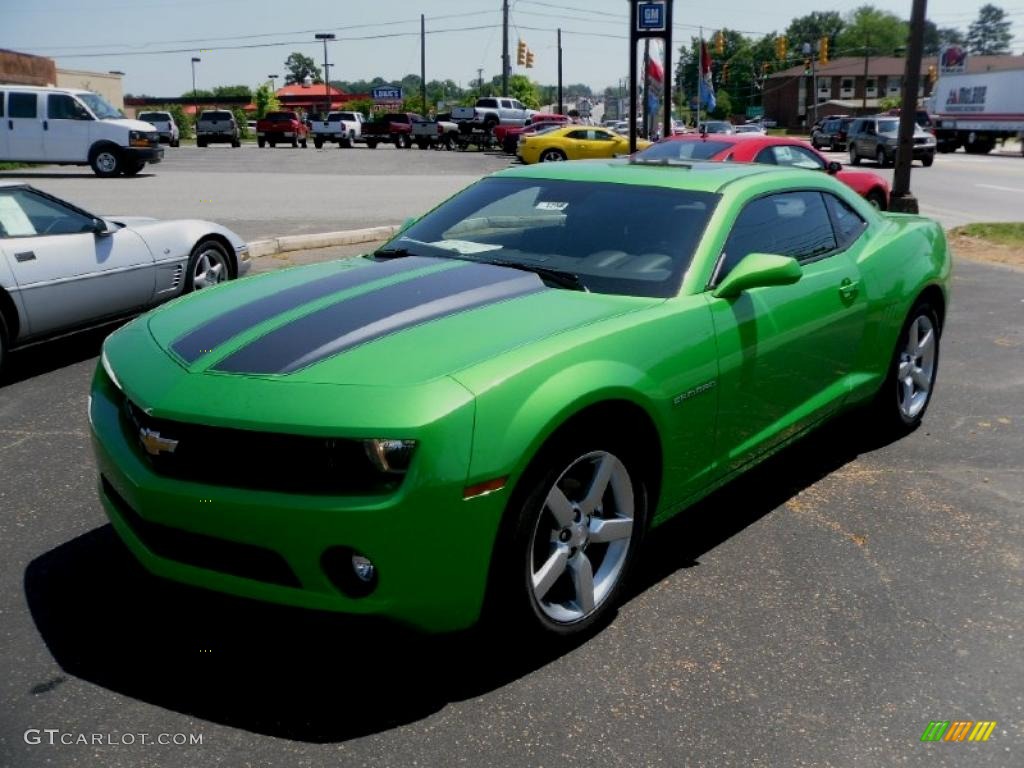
x=1001 y=189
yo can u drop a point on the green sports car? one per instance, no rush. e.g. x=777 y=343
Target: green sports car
x=484 y=417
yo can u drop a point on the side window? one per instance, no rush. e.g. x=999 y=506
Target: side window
x=576 y=135
x=789 y=223
x=847 y=222
x=60 y=106
x=22 y=105
x=595 y=135
x=25 y=214
x=766 y=155
x=797 y=157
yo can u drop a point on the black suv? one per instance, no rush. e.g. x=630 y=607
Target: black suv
x=831 y=133
x=877 y=138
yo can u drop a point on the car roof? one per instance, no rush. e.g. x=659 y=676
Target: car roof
x=697 y=175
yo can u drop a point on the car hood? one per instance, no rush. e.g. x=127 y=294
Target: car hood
x=131 y=125
x=368 y=323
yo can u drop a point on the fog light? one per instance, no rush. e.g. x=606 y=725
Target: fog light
x=363 y=568
x=390 y=456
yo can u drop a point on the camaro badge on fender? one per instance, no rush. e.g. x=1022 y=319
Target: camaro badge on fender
x=154 y=443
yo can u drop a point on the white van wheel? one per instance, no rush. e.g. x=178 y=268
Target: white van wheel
x=106 y=161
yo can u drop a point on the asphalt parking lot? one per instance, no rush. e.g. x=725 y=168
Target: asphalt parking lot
x=818 y=612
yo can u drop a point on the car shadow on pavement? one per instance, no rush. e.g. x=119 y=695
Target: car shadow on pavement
x=52 y=355
x=324 y=678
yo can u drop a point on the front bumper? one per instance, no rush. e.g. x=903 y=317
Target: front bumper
x=431 y=547
x=148 y=154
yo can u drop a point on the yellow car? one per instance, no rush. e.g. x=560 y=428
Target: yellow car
x=574 y=142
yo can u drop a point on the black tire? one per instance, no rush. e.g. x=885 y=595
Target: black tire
x=489 y=122
x=880 y=158
x=567 y=462
x=449 y=142
x=888 y=415
x=176 y=143
x=304 y=143
x=552 y=156
x=106 y=161
x=261 y=143
x=371 y=143
x=295 y=142
x=273 y=144
x=236 y=143
x=4 y=345
x=854 y=157
x=133 y=168
x=927 y=161
x=200 y=142
x=318 y=143
x=215 y=249
x=347 y=142
x=877 y=198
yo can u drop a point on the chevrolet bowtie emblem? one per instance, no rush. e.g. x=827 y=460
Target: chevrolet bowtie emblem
x=154 y=443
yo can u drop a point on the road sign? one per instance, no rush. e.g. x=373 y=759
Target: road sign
x=755 y=111
x=650 y=16
x=386 y=93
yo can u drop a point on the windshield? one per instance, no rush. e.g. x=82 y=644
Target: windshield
x=335 y=116
x=618 y=238
x=684 y=150
x=100 y=107
x=151 y=117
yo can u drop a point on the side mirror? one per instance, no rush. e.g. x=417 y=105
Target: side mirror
x=834 y=167
x=99 y=228
x=757 y=270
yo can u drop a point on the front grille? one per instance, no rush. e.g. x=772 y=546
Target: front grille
x=267 y=461
x=202 y=551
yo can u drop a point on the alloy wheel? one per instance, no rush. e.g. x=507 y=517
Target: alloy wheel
x=210 y=268
x=915 y=374
x=581 y=539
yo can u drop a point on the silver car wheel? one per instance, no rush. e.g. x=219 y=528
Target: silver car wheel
x=106 y=162
x=582 y=538
x=915 y=373
x=210 y=268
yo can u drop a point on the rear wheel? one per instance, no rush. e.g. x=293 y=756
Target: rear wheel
x=236 y=143
x=200 y=142
x=175 y=142
x=261 y=143
x=880 y=158
x=877 y=198
x=904 y=397
x=304 y=143
x=854 y=157
x=318 y=143
x=208 y=265
x=295 y=142
x=927 y=160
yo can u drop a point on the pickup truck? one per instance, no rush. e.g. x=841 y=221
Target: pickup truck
x=439 y=132
x=217 y=125
x=342 y=128
x=507 y=136
x=283 y=127
x=489 y=112
x=391 y=128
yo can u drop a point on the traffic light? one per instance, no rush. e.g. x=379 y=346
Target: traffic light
x=931 y=74
x=725 y=73
x=529 y=59
x=781 y=44
x=719 y=43
x=521 y=53
x=823 y=50
x=807 y=65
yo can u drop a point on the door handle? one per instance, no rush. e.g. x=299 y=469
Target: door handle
x=25 y=256
x=848 y=289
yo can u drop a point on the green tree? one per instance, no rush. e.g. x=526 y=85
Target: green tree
x=265 y=101
x=243 y=122
x=813 y=27
x=723 y=106
x=361 y=105
x=183 y=121
x=936 y=37
x=869 y=29
x=300 y=65
x=233 y=92
x=990 y=33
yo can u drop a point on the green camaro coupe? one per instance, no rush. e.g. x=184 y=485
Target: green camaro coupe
x=484 y=417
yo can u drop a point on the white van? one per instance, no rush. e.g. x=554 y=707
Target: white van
x=67 y=126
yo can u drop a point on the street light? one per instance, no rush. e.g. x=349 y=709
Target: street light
x=325 y=36
x=195 y=104
x=273 y=81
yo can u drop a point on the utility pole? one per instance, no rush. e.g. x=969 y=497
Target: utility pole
x=867 y=54
x=423 y=62
x=479 y=77
x=901 y=200
x=325 y=36
x=504 y=48
x=561 y=106
x=195 y=102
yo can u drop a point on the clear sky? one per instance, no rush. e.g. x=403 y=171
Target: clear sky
x=379 y=38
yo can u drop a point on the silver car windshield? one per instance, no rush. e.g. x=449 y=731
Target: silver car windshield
x=100 y=107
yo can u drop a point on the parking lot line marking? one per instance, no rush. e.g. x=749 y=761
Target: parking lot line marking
x=1001 y=189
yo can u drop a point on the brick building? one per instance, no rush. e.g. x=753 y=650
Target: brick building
x=841 y=88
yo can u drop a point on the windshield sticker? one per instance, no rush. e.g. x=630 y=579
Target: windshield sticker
x=13 y=220
x=466 y=247
x=551 y=205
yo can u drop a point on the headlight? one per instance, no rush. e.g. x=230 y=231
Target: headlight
x=390 y=456
x=140 y=139
x=107 y=369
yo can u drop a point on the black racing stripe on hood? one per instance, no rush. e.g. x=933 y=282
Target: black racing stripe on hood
x=212 y=334
x=370 y=316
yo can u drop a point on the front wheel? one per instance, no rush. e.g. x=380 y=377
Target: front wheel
x=904 y=397
x=261 y=143
x=927 y=161
x=577 y=529
x=877 y=198
x=880 y=158
x=208 y=265
x=854 y=157
x=295 y=142
x=552 y=156
x=106 y=162
x=236 y=143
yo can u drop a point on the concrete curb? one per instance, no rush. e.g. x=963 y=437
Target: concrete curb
x=277 y=245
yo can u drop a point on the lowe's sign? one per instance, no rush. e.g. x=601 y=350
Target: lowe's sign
x=387 y=93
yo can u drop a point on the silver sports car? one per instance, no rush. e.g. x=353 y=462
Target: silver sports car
x=64 y=269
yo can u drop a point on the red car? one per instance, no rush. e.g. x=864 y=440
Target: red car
x=507 y=136
x=774 y=150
